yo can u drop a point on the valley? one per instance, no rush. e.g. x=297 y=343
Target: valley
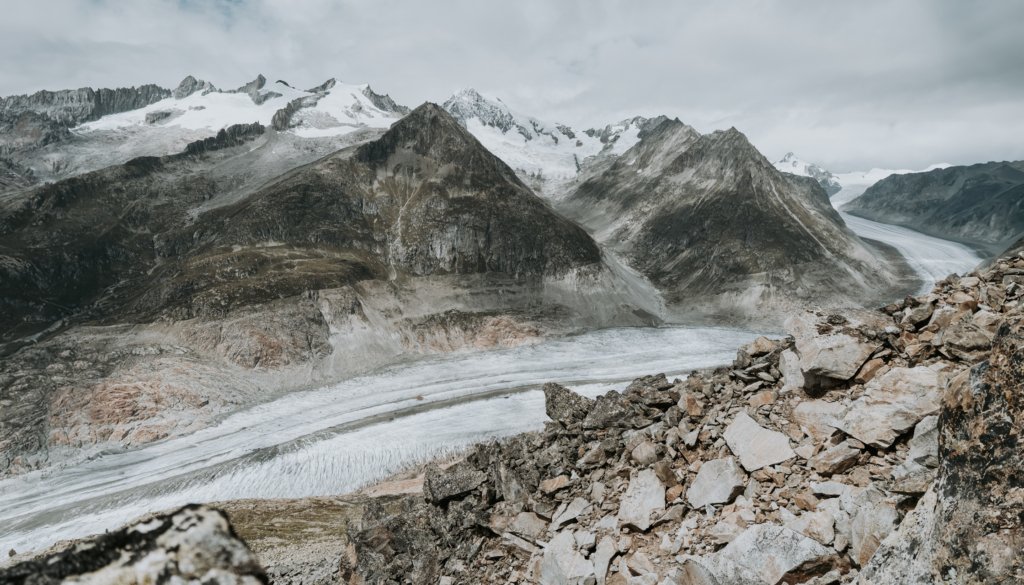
x=279 y=294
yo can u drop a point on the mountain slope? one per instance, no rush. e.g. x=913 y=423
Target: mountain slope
x=195 y=283
x=793 y=165
x=718 y=228
x=980 y=204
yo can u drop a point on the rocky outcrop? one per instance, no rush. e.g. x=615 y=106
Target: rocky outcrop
x=226 y=138
x=721 y=231
x=977 y=204
x=195 y=544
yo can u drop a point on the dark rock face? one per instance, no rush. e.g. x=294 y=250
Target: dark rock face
x=707 y=215
x=981 y=204
x=190 y=85
x=226 y=138
x=564 y=405
x=980 y=489
x=193 y=545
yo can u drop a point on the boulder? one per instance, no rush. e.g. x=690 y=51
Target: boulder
x=763 y=553
x=644 y=496
x=717 y=482
x=441 y=485
x=893 y=403
x=755 y=445
x=195 y=544
x=872 y=518
x=827 y=358
x=565 y=406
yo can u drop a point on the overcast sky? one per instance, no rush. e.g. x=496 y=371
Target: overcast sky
x=850 y=85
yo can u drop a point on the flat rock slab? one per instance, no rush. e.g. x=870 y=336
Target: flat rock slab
x=763 y=553
x=755 y=445
x=717 y=482
x=644 y=496
x=893 y=403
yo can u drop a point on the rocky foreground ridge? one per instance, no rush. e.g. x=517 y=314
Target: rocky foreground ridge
x=872 y=447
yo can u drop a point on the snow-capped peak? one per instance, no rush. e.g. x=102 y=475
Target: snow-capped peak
x=330 y=109
x=546 y=153
x=793 y=164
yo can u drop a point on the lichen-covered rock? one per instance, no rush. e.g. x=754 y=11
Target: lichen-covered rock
x=195 y=544
x=565 y=406
x=441 y=485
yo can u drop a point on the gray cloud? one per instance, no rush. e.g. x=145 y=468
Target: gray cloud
x=849 y=85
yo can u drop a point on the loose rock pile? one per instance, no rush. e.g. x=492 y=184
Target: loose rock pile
x=798 y=464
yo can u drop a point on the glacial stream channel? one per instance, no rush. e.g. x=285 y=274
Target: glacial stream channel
x=338 y=438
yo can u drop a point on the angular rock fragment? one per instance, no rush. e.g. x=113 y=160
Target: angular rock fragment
x=441 y=485
x=565 y=406
x=717 y=482
x=644 y=496
x=755 y=445
x=893 y=403
x=765 y=553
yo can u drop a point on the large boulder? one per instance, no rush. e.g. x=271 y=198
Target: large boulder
x=763 y=553
x=893 y=403
x=195 y=544
x=441 y=485
x=834 y=349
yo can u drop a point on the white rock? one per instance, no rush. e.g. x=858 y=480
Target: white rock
x=832 y=356
x=819 y=525
x=893 y=403
x=789 y=367
x=606 y=551
x=872 y=518
x=755 y=445
x=562 y=564
x=817 y=418
x=764 y=553
x=645 y=495
x=575 y=508
x=717 y=482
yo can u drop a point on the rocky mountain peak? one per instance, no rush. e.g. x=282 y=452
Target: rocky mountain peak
x=428 y=130
x=323 y=86
x=468 y=104
x=793 y=164
x=191 y=85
